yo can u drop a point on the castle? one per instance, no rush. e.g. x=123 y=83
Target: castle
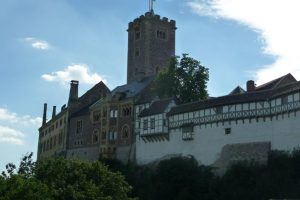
x=130 y=123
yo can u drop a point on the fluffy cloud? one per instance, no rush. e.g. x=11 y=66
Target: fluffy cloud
x=78 y=72
x=12 y=118
x=37 y=44
x=275 y=21
x=11 y=136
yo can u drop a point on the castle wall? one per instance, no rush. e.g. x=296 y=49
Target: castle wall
x=52 y=136
x=84 y=153
x=81 y=140
x=208 y=140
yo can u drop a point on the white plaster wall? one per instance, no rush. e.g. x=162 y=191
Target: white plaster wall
x=282 y=131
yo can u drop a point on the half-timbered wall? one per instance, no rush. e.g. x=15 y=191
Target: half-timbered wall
x=276 y=121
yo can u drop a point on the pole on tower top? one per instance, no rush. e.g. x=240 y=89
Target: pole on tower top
x=151 y=3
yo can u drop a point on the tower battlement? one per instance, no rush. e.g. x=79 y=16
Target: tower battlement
x=151 y=16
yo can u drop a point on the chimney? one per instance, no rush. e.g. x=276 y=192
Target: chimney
x=54 y=112
x=73 y=96
x=63 y=107
x=250 y=86
x=45 y=114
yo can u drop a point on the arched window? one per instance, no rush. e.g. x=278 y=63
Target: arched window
x=125 y=132
x=95 y=136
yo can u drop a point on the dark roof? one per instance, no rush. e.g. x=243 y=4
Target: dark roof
x=89 y=98
x=156 y=107
x=279 y=82
x=238 y=98
x=237 y=90
x=132 y=89
x=83 y=111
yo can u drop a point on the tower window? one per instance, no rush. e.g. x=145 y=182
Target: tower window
x=137 y=35
x=137 y=52
x=161 y=34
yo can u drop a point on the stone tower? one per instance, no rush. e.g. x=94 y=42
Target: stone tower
x=151 y=43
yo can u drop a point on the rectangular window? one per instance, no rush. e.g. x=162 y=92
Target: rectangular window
x=112 y=135
x=164 y=122
x=188 y=132
x=103 y=136
x=79 y=126
x=161 y=34
x=152 y=123
x=104 y=113
x=137 y=52
x=96 y=116
x=219 y=110
x=227 y=131
x=284 y=100
x=54 y=143
x=145 y=124
x=60 y=138
x=137 y=35
x=113 y=113
x=60 y=122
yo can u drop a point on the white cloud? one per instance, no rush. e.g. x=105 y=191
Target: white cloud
x=11 y=136
x=38 y=44
x=275 y=21
x=12 y=118
x=78 y=72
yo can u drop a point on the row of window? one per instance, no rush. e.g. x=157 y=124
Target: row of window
x=126 y=111
x=58 y=124
x=51 y=142
x=161 y=34
x=152 y=123
x=188 y=132
x=108 y=150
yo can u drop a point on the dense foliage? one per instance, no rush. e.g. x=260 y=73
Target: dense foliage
x=58 y=178
x=183 y=179
x=185 y=79
x=179 y=178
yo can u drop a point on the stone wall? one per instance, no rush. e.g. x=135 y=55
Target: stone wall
x=231 y=153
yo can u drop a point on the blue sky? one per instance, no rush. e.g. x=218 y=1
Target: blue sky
x=45 y=44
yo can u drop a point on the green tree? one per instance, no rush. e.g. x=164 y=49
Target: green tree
x=185 y=79
x=181 y=178
x=74 y=179
x=61 y=179
x=21 y=184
